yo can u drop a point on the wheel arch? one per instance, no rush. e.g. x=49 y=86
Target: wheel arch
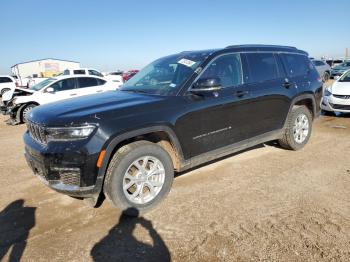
x=307 y=100
x=162 y=135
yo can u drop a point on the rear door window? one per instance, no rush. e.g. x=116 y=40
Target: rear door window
x=296 y=65
x=87 y=82
x=262 y=67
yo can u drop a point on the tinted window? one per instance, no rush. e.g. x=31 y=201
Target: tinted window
x=87 y=82
x=95 y=73
x=66 y=72
x=262 y=67
x=296 y=64
x=79 y=72
x=64 y=85
x=100 y=82
x=227 y=68
x=5 y=80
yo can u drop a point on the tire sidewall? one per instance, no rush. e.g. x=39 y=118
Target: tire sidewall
x=23 y=118
x=295 y=113
x=115 y=190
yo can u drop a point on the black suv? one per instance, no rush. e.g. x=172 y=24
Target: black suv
x=178 y=112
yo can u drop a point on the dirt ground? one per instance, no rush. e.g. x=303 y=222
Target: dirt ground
x=265 y=204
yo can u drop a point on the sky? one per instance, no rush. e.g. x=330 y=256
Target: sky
x=111 y=35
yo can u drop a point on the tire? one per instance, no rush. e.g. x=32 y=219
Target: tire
x=122 y=166
x=25 y=111
x=291 y=140
x=4 y=91
x=326 y=77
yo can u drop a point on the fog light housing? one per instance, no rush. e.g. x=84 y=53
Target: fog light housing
x=68 y=176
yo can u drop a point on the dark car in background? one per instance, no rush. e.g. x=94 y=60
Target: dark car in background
x=204 y=105
x=340 y=69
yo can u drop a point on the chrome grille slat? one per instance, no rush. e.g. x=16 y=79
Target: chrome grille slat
x=37 y=132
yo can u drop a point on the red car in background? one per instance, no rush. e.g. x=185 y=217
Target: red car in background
x=129 y=74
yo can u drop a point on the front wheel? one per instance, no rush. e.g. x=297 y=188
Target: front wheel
x=4 y=91
x=25 y=112
x=326 y=76
x=298 y=129
x=138 y=177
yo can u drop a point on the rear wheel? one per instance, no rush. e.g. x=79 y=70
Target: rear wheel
x=25 y=112
x=138 y=177
x=298 y=128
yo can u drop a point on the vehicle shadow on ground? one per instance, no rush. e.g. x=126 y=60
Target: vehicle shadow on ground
x=121 y=245
x=16 y=221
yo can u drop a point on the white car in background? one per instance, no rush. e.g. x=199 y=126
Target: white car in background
x=7 y=83
x=336 y=98
x=19 y=102
x=323 y=69
x=82 y=71
x=115 y=77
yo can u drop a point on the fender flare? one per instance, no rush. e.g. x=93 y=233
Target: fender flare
x=300 y=98
x=127 y=135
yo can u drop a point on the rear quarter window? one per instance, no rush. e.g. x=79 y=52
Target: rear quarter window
x=297 y=65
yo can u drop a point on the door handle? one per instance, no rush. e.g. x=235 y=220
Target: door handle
x=99 y=91
x=73 y=94
x=241 y=93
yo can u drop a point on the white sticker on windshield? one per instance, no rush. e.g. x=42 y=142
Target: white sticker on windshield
x=172 y=85
x=186 y=62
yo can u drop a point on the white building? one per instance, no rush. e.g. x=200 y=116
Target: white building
x=43 y=67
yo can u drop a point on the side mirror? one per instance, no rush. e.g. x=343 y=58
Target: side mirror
x=50 y=90
x=206 y=85
x=336 y=77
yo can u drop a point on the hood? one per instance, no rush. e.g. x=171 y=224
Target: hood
x=93 y=108
x=341 y=88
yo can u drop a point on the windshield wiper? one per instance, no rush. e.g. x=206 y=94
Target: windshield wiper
x=135 y=91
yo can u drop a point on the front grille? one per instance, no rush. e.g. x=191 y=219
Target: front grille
x=37 y=132
x=342 y=96
x=340 y=107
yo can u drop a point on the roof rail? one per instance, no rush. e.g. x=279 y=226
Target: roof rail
x=273 y=46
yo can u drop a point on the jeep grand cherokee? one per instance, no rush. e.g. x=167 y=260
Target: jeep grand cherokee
x=178 y=112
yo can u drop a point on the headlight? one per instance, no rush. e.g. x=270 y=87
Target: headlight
x=327 y=92
x=69 y=133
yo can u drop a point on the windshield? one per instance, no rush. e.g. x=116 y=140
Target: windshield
x=345 y=77
x=42 y=84
x=166 y=75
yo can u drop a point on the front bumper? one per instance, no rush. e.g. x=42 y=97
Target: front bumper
x=68 y=169
x=333 y=104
